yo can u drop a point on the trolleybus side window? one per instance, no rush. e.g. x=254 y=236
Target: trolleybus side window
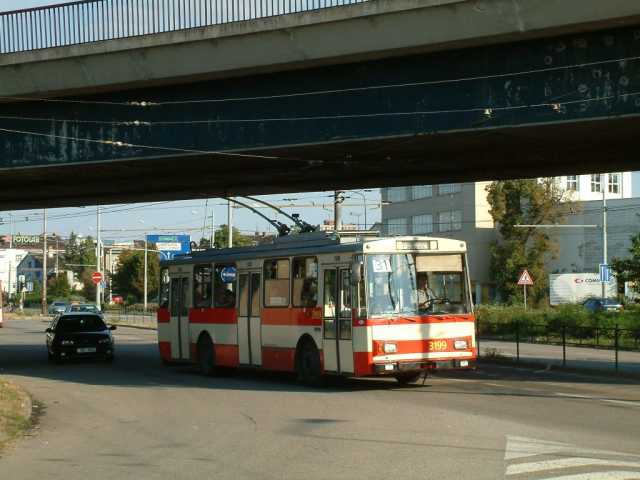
x=224 y=279
x=276 y=283
x=165 y=282
x=305 y=282
x=202 y=286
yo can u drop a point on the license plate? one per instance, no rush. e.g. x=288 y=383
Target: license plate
x=464 y=363
x=87 y=350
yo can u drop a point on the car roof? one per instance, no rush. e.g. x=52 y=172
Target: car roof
x=80 y=314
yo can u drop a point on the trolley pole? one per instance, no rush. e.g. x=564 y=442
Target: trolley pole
x=44 y=263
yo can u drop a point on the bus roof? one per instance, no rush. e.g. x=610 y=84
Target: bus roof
x=317 y=243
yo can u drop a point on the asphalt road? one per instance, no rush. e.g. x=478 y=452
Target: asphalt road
x=137 y=419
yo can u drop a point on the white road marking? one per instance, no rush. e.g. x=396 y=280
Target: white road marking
x=566 y=456
x=599 y=476
x=495 y=385
x=541 y=466
x=623 y=402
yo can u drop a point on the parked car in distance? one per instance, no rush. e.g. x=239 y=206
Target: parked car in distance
x=602 y=305
x=79 y=335
x=82 y=307
x=57 y=307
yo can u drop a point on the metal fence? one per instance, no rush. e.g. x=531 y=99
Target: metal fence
x=594 y=347
x=95 y=20
x=132 y=316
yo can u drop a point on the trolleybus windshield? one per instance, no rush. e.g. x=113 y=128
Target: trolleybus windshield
x=410 y=284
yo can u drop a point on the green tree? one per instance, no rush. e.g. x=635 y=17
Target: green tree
x=524 y=202
x=59 y=287
x=239 y=240
x=129 y=279
x=628 y=269
x=80 y=256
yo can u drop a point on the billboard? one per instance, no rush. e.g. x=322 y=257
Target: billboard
x=576 y=287
x=171 y=245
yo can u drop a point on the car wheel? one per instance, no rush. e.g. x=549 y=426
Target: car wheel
x=408 y=378
x=308 y=367
x=206 y=361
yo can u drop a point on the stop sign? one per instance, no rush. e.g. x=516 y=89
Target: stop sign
x=96 y=277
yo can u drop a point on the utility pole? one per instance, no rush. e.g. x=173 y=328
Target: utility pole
x=212 y=238
x=98 y=257
x=605 y=187
x=146 y=250
x=229 y=225
x=12 y=233
x=44 y=263
x=338 y=198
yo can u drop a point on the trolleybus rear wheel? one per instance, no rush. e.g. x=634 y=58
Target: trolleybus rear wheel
x=309 y=364
x=206 y=361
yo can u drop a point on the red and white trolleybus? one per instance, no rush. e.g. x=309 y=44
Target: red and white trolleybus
x=317 y=303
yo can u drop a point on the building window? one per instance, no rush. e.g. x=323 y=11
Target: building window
x=396 y=226
x=449 y=188
x=614 y=183
x=276 y=283
x=421 y=191
x=572 y=183
x=596 y=183
x=202 y=286
x=422 y=224
x=397 y=194
x=305 y=282
x=450 y=221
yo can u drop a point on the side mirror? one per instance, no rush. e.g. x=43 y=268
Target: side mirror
x=49 y=330
x=112 y=327
x=357 y=272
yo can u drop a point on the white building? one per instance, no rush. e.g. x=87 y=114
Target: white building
x=10 y=258
x=584 y=188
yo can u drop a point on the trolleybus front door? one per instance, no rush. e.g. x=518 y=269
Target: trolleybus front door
x=337 y=345
x=180 y=340
x=249 y=325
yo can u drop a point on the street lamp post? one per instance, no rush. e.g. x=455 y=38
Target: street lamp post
x=146 y=250
x=605 y=187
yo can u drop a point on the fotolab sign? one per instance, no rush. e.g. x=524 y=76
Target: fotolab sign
x=576 y=287
x=26 y=239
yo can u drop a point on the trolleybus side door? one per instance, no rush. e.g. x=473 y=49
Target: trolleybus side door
x=249 y=324
x=180 y=341
x=337 y=343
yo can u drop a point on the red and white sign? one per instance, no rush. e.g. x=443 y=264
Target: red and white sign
x=525 y=278
x=96 y=277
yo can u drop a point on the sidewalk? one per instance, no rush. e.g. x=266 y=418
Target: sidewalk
x=577 y=357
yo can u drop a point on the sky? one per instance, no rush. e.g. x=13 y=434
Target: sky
x=131 y=221
x=7 y=5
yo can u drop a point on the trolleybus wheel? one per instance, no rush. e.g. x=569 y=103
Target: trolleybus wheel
x=309 y=364
x=408 y=378
x=206 y=361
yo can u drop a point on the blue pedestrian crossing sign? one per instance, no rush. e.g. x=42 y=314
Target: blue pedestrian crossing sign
x=605 y=273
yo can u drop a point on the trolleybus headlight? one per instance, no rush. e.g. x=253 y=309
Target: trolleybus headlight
x=390 y=348
x=460 y=345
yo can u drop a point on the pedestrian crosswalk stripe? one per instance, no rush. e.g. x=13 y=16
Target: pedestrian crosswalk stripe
x=551 y=460
x=532 y=467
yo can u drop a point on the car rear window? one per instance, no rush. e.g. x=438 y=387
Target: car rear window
x=90 y=323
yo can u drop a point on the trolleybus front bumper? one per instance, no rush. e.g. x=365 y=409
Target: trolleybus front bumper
x=391 y=368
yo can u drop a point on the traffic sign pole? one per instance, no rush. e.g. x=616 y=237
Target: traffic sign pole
x=525 y=296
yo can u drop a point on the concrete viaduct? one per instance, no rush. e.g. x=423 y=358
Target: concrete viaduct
x=380 y=92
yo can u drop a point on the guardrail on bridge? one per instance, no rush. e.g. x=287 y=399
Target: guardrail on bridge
x=96 y=20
